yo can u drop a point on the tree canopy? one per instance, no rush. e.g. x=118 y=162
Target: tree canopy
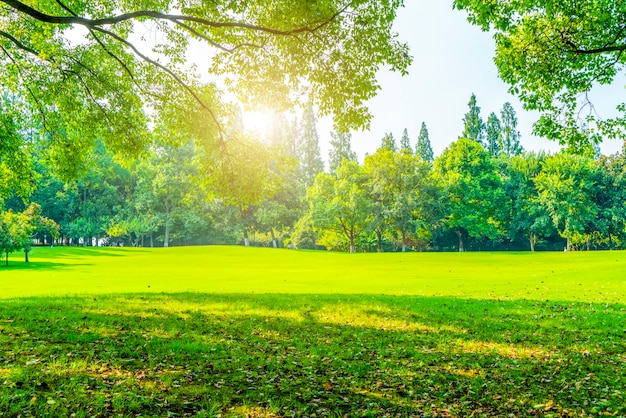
x=552 y=53
x=91 y=70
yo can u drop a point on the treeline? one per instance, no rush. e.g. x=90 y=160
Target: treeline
x=482 y=193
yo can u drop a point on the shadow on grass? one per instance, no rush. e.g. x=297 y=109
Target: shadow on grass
x=68 y=251
x=38 y=265
x=309 y=355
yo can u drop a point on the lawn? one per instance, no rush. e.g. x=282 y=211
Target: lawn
x=235 y=332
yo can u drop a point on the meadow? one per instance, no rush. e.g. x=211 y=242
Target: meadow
x=250 y=332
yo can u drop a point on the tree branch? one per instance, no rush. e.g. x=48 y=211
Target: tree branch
x=93 y=23
x=169 y=72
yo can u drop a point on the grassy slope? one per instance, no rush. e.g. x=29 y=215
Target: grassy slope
x=225 y=331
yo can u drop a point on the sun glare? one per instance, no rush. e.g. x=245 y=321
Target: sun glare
x=256 y=122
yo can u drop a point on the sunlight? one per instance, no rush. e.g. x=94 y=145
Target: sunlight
x=257 y=121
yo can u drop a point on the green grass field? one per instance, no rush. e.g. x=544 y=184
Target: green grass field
x=236 y=332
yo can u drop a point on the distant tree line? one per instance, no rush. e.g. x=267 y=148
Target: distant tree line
x=482 y=193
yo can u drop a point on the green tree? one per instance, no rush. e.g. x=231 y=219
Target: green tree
x=527 y=218
x=493 y=131
x=473 y=191
x=510 y=136
x=423 y=148
x=566 y=186
x=100 y=85
x=308 y=148
x=405 y=142
x=399 y=189
x=340 y=148
x=388 y=142
x=552 y=52
x=473 y=125
x=339 y=204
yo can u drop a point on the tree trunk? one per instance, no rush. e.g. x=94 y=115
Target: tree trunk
x=461 y=246
x=403 y=242
x=151 y=239
x=274 y=243
x=166 y=240
x=352 y=249
x=532 y=242
x=568 y=245
x=379 y=241
x=7 y=259
x=246 y=241
x=26 y=256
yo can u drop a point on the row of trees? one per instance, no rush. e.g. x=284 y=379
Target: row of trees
x=510 y=201
x=480 y=193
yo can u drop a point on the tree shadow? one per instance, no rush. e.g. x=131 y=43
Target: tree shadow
x=310 y=355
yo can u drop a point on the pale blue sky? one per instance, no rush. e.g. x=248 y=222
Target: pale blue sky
x=452 y=60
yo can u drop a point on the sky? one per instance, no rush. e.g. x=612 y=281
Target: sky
x=451 y=60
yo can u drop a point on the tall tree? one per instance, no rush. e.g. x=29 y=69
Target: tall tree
x=388 y=142
x=566 y=188
x=473 y=125
x=98 y=87
x=553 y=52
x=423 y=148
x=339 y=204
x=309 y=149
x=526 y=217
x=510 y=136
x=473 y=191
x=340 y=148
x=493 y=131
x=405 y=142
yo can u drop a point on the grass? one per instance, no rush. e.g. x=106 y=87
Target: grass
x=236 y=332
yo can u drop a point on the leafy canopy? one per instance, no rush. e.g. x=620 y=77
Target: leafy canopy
x=552 y=53
x=108 y=70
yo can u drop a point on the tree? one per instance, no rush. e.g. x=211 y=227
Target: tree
x=552 y=54
x=308 y=148
x=566 y=186
x=423 y=148
x=509 y=135
x=398 y=188
x=101 y=85
x=473 y=190
x=405 y=142
x=339 y=204
x=17 y=229
x=494 y=134
x=388 y=142
x=340 y=148
x=527 y=218
x=473 y=125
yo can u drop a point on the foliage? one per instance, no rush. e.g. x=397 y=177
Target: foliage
x=87 y=71
x=308 y=149
x=339 y=203
x=509 y=135
x=552 y=54
x=567 y=185
x=340 y=148
x=493 y=134
x=472 y=189
x=423 y=149
x=388 y=142
x=473 y=125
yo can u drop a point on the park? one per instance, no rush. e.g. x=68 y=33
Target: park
x=175 y=243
